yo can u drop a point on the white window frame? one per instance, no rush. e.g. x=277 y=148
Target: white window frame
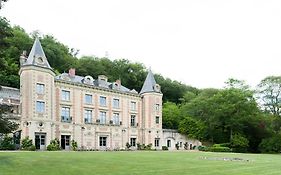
x=102 y=101
x=40 y=88
x=116 y=118
x=102 y=117
x=65 y=113
x=116 y=103
x=88 y=116
x=88 y=99
x=40 y=106
x=133 y=106
x=65 y=95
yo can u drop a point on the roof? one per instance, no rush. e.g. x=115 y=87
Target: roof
x=36 y=53
x=88 y=80
x=149 y=83
x=9 y=93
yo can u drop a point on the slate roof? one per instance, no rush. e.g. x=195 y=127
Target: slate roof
x=94 y=83
x=36 y=52
x=9 y=92
x=149 y=83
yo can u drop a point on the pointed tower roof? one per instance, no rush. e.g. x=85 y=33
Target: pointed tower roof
x=37 y=56
x=149 y=84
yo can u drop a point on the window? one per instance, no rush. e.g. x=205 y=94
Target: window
x=88 y=99
x=40 y=106
x=157 y=107
x=133 y=141
x=168 y=143
x=40 y=88
x=157 y=119
x=115 y=119
x=102 y=101
x=102 y=141
x=133 y=106
x=115 y=103
x=102 y=117
x=88 y=116
x=65 y=114
x=133 y=120
x=65 y=95
x=156 y=142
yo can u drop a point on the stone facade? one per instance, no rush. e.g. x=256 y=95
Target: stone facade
x=96 y=113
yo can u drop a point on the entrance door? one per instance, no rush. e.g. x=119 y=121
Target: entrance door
x=65 y=140
x=40 y=139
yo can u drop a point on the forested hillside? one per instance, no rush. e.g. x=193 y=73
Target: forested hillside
x=245 y=119
x=14 y=40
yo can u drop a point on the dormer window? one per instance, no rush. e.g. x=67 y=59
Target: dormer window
x=39 y=60
x=157 y=88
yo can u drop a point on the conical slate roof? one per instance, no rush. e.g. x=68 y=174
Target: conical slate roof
x=37 y=56
x=149 y=83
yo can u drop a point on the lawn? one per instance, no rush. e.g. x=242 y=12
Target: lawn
x=154 y=162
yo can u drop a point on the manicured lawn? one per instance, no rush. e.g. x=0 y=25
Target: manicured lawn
x=162 y=163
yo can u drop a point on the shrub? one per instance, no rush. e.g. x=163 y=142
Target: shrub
x=32 y=148
x=7 y=143
x=148 y=147
x=128 y=145
x=54 y=145
x=239 y=143
x=186 y=146
x=271 y=145
x=26 y=144
x=219 y=149
x=177 y=146
x=203 y=148
x=74 y=145
x=165 y=148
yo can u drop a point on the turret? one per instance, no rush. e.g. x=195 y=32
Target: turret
x=37 y=93
x=152 y=110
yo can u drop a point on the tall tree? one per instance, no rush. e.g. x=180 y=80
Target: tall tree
x=6 y=125
x=268 y=92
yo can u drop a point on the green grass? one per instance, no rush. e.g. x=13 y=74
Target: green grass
x=155 y=162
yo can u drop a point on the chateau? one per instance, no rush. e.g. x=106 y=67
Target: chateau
x=97 y=114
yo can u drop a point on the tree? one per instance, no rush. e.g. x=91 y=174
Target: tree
x=6 y=125
x=171 y=115
x=192 y=128
x=1 y=3
x=268 y=93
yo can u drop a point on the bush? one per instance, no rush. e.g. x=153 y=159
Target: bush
x=148 y=147
x=219 y=149
x=239 y=143
x=165 y=148
x=54 y=145
x=7 y=143
x=177 y=146
x=26 y=144
x=203 y=148
x=271 y=145
x=74 y=145
x=32 y=148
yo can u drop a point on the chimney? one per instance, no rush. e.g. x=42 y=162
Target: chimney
x=71 y=72
x=118 y=82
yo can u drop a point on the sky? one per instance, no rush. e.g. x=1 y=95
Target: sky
x=201 y=43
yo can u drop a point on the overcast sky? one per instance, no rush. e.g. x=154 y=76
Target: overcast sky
x=198 y=42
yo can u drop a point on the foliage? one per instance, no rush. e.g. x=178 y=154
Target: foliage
x=26 y=144
x=74 y=145
x=7 y=143
x=177 y=146
x=54 y=145
x=128 y=145
x=268 y=92
x=239 y=143
x=219 y=149
x=271 y=145
x=192 y=128
x=170 y=115
x=165 y=148
x=6 y=125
